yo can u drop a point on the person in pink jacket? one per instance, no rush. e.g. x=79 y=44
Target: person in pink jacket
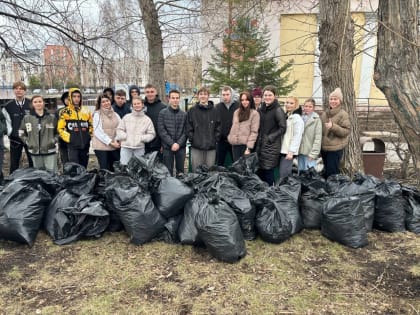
x=245 y=125
x=134 y=130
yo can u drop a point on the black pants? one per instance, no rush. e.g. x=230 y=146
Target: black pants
x=168 y=158
x=16 y=153
x=223 y=148
x=106 y=159
x=267 y=176
x=331 y=160
x=238 y=151
x=62 y=148
x=79 y=156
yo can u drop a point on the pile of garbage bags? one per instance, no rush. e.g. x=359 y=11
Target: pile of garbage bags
x=215 y=207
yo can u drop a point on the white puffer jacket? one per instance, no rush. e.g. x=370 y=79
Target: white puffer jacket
x=134 y=130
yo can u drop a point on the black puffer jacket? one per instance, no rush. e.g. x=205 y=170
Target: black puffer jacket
x=203 y=127
x=153 y=110
x=171 y=127
x=272 y=128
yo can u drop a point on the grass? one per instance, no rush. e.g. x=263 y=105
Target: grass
x=307 y=274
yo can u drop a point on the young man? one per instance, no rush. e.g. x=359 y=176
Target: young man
x=121 y=107
x=62 y=146
x=75 y=128
x=133 y=91
x=153 y=107
x=203 y=130
x=17 y=109
x=225 y=110
x=171 y=128
x=5 y=129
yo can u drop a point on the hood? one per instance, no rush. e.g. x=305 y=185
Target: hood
x=132 y=87
x=71 y=91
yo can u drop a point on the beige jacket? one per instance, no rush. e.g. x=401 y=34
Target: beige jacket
x=244 y=132
x=104 y=129
x=312 y=137
x=134 y=130
x=337 y=137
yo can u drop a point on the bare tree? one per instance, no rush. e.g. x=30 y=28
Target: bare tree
x=397 y=68
x=336 y=58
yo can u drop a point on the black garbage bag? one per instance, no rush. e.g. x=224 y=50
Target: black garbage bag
x=171 y=196
x=141 y=220
x=147 y=170
x=86 y=218
x=343 y=221
x=35 y=177
x=390 y=207
x=292 y=188
x=310 y=179
x=170 y=234
x=246 y=165
x=219 y=229
x=334 y=182
x=272 y=221
x=187 y=232
x=193 y=179
x=22 y=207
x=64 y=199
x=412 y=219
x=77 y=180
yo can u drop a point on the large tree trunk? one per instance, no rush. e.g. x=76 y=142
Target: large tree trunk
x=397 y=68
x=154 y=44
x=336 y=46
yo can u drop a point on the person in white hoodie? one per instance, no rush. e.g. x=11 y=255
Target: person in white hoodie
x=292 y=137
x=134 y=130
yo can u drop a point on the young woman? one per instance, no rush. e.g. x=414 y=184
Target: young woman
x=134 y=130
x=335 y=133
x=292 y=137
x=272 y=128
x=38 y=131
x=105 y=123
x=245 y=125
x=310 y=145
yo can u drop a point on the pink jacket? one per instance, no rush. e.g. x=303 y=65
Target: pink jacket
x=245 y=132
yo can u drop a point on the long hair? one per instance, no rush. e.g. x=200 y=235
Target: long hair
x=98 y=101
x=244 y=113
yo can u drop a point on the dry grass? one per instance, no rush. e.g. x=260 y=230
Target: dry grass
x=305 y=275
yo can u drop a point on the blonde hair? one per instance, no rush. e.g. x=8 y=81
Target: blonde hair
x=296 y=100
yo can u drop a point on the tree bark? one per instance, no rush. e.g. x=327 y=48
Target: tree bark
x=336 y=46
x=155 y=45
x=397 y=68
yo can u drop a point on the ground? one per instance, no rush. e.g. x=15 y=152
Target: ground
x=307 y=274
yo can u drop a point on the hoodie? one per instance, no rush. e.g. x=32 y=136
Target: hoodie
x=75 y=124
x=132 y=87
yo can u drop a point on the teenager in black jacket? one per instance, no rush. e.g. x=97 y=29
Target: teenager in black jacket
x=153 y=106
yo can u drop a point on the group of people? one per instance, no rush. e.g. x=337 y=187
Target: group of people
x=119 y=129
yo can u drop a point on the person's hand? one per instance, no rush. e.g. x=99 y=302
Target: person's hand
x=329 y=124
x=115 y=144
x=175 y=147
x=247 y=151
x=289 y=156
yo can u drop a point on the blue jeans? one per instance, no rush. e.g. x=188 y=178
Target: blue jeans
x=304 y=163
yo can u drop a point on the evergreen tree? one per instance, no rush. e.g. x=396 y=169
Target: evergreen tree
x=244 y=60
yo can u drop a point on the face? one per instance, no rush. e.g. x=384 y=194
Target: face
x=290 y=104
x=203 y=97
x=19 y=92
x=38 y=103
x=226 y=96
x=76 y=97
x=134 y=93
x=120 y=100
x=269 y=97
x=257 y=100
x=244 y=101
x=150 y=94
x=105 y=103
x=174 y=100
x=334 y=102
x=308 y=108
x=137 y=105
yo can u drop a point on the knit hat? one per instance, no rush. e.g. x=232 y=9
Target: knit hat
x=337 y=93
x=257 y=92
x=64 y=96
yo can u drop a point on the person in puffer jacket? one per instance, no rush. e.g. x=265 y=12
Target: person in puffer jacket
x=38 y=131
x=134 y=130
x=75 y=128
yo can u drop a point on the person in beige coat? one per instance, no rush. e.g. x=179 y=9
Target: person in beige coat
x=245 y=125
x=310 y=146
x=335 y=133
x=134 y=130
